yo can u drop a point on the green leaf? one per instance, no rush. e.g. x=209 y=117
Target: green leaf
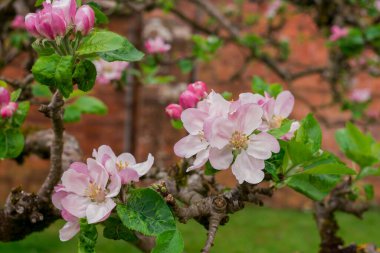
x=87 y=237
x=274 y=89
x=115 y=230
x=315 y=187
x=100 y=17
x=11 y=143
x=39 y=90
x=281 y=131
x=85 y=75
x=330 y=169
x=368 y=171
x=39 y=3
x=227 y=95
x=369 y=191
x=127 y=52
x=209 y=169
x=259 y=85
x=101 y=41
x=55 y=71
x=15 y=95
x=42 y=49
x=19 y=116
x=298 y=152
x=146 y=212
x=177 y=124
x=185 y=66
x=372 y=32
x=359 y=147
x=169 y=242
x=91 y=105
x=310 y=133
x=72 y=114
x=353 y=43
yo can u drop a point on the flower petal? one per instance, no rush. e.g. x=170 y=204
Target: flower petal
x=262 y=145
x=127 y=158
x=128 y=175
x=247 y=118
x=143 y=168
x=200 y=160
x=189 y=146
x=193 y=120
x=249 y=169
x=68 y=231
x=75 y=182
x=76 y=205
x=98 y=173
x=97 y=211
x=284 y=104
x=103 y=154
x=114 y=186
x=221 y=132
x=221 y=159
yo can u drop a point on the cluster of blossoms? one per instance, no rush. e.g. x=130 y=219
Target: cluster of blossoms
x=109 y=71
x=8 y=108
x=235 y=133
x=338 y=33
x=156 y=46
x=88 y=189
x=59 y=17
x=360 y=95
x=188 y=99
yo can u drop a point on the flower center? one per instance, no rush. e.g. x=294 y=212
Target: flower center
x=95 y=193
x=201 y=135
x=239 y=140
x=276 y=122
x=121 y=165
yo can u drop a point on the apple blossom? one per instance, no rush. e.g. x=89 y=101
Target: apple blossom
x=50 y=22
x=174 y=111
x=156 y=45
x=18 y=22
x=234 y=137
x=5 y=97
x=360 y=95
x=8 y=110
x=86 y=192
x=338 y=33
x=124 y=165
x=109 y=71
x=84 y=19
x=31 y=24
x=273 y=8
x=68 y=8
x=188 y=99
x=198 y=88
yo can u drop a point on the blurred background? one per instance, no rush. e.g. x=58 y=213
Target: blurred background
x=136 y=119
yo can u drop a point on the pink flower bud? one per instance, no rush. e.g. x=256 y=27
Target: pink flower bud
x=18 y=22
x=198 y=88
x=31 y=24
x=50 y=22
x=156 y=45
x=5 y=97
x=68 y=8
x=188 y=99
x=8 y=110
x=84 y=19
x=174 y=111
x=338 y=33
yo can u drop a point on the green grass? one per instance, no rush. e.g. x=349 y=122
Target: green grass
x=258 y=230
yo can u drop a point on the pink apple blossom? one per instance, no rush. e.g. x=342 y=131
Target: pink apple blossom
x=156 y=45
x=234 y=136
x=109 y=71
x=5 y=97
x=198 y=88
x=50 y=22
x=338 y=33
x=198 y=123
x=188 y=99
x=68 y=8
x=360 y=95
x=174 y=111
x=8 y=110
x=124 y=165
x=18 y=22
x=86 y=192
x=31 y=24
x=84 y=19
